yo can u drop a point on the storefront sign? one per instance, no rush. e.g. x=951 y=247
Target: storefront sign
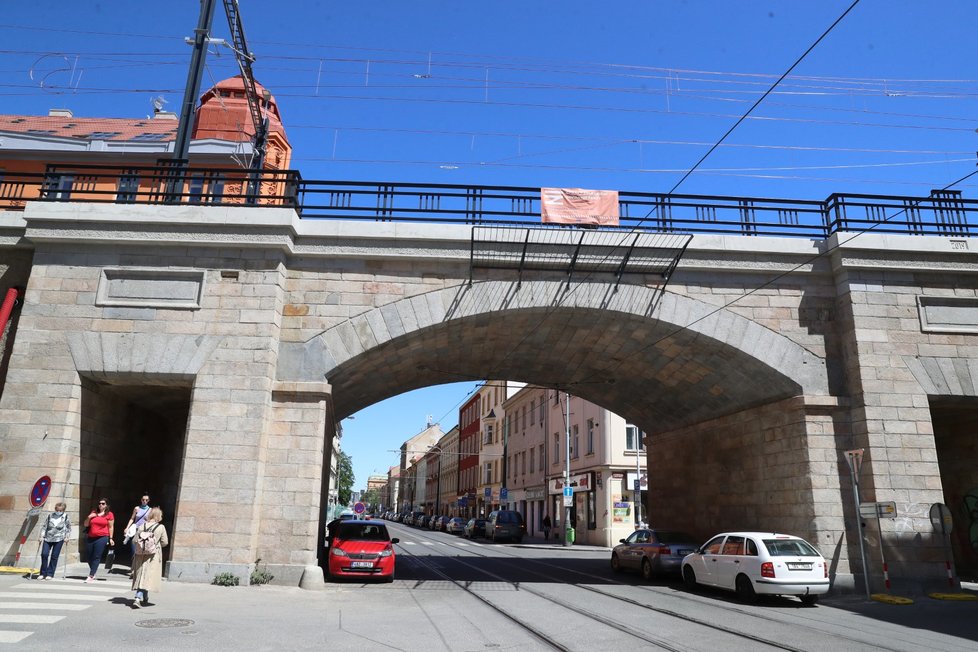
x=536 y=493
x=579 y=482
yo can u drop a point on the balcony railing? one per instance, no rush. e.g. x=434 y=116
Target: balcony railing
x=944 y=213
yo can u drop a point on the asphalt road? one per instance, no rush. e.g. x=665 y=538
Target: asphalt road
x=453 y=594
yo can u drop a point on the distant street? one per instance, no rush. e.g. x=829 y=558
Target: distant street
x=454 y=594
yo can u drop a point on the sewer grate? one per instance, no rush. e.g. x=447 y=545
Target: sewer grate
x=157 y=623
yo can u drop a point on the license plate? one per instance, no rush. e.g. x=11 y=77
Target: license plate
x=799 y=566
x=684 y=552
x=362 y=564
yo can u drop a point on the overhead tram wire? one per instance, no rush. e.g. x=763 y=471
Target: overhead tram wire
x=551 y=309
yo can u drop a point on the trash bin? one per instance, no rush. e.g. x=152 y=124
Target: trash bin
x=570 y=534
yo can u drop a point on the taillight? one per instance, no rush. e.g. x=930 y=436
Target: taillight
x=387 y=552
x=767 y=569
x=664 y=550
x=825 y=571
x=338 y=552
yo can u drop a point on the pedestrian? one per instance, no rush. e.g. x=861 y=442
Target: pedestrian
x=546 y=526
x=139 y=513
x=147 y=569
x=100 y=524
x=55 y=531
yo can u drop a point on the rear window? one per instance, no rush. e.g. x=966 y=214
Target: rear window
x=509 y=517
x=359 y=531
x=789 y=548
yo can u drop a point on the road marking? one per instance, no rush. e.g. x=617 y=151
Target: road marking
x=408 y=543
x=59 y=596
x=44 y=605
x=72 y=587
x=29 y=618
x=12 y=636
x=428 y=543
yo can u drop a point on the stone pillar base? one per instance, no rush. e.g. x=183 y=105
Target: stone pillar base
x=312 y=579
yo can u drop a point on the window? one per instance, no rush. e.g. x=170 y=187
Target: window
x=488 y=433
x=524 y=417
x=556 y=449
x=542 y=406
x=541 y=458
x=488 y=473
x=633 y=439
x=533 y=456
x=533 y=407
x=59 y=186
x=523 y=465
x=147 y=136
x=575 y=450
x=590 y=436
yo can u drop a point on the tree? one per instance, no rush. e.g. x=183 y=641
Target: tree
x=344 y=477
x=371 y=497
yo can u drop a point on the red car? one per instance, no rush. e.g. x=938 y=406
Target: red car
x=360 y=549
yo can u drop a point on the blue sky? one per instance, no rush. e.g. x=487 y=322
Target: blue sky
x=623 y=96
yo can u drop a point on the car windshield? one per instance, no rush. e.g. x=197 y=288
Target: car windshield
x=664 y=536
x=508 y=517
x=789 y=548
x=358 y=531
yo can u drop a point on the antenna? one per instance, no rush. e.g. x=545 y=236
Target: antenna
x=158 y=103
x=430 y=420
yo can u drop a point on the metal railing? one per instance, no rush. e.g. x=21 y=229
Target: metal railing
x=944 y=213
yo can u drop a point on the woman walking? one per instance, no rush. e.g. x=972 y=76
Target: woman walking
x=55 y=531
x=147 y=569
x=100 y=524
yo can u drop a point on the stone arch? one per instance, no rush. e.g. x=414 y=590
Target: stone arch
x=609 y=347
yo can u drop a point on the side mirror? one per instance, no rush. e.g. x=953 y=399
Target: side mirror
x=621 y=541
x=395 y=540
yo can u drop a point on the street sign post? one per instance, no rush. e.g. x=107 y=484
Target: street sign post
x=940 y=518
x=568 y=496
x=359 y=508
x=854 y=458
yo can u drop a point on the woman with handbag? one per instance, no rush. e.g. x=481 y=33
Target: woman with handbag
x=55 y=531
x=100 y=524
x=147 y=569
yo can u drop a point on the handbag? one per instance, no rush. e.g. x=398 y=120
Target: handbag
x=109 y=559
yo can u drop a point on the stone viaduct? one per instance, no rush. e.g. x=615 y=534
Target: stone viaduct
x=208 y=351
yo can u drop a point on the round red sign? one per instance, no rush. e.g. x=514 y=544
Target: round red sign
x=40 y=492
x=359 y=508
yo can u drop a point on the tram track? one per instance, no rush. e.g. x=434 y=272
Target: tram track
x=500 y=553
x=619 y=627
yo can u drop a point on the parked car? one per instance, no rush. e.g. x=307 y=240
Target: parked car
x=455 y=525
x=753 y=563
x=653 y=552
x=505 y=524
x=422 y=521
x=435 y=522
x=360 y=548
x=476 y=527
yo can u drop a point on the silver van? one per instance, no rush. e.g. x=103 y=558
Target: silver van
x=505 y=524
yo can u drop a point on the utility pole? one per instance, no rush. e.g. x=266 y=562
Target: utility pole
x=568 y=532
x=181 y=147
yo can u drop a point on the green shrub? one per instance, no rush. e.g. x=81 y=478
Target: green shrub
x=261 y=576
x=226 y=579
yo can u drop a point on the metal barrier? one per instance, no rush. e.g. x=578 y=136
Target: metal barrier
x=944 y=213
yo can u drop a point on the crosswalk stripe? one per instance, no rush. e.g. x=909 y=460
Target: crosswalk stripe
x=50 y=596
x=123 y=588
x=44 y=605
x=12 y=636
x=409 y=543
x=29 y=618
x=428 y=543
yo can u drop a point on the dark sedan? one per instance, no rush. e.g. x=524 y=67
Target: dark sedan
x=653 y=552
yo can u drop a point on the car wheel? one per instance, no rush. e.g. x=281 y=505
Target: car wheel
x=689 y=577
x=615 y=563
x=389 y=578
x=809 y=599
x=647 y=573
x=745 y=590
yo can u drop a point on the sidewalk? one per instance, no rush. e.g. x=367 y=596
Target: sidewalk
x=530 y=541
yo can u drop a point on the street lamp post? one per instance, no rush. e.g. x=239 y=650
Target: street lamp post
x=568 y=532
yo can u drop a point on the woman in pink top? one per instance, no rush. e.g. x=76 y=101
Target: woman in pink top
x=100 y=523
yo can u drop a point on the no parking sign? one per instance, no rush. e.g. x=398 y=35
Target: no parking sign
x=40 y=491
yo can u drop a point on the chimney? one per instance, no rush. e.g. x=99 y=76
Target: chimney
x=60 y=113
x=164 y=115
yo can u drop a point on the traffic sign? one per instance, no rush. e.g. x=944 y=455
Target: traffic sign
x=940 y=518
x=40 y=491
x=568 y=496
x=488 y=492
x=878 y=510
x=359 y=508
x=569 y=491
x=504 y=494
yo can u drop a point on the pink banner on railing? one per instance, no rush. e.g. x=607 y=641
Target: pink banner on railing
x=579 y=206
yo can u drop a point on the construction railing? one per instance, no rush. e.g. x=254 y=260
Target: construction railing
x=941 y=213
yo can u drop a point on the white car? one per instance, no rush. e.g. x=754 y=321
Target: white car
x=753 y=563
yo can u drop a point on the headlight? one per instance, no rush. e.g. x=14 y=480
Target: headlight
x=386 y=552
x=338 y=552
